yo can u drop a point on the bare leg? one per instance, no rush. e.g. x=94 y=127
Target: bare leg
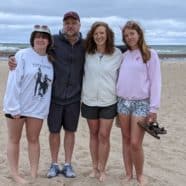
x=15 y=127
x=126 y=142
x=54 y=141
x=69 y=141
x=33 y=128
x=104 y=145
x=137 y=135
x=93 y=145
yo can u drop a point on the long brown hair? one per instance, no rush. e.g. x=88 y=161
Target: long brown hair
x=145 y=52
x=90 y=44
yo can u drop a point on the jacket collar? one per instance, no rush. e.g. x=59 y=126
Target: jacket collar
x=63 y=36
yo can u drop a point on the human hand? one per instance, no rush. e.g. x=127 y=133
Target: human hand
x=12 y=63
x=152 y=117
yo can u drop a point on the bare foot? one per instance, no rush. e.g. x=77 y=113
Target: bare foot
x=126 y=179
x=34 y=175
x=32 y=178
x=142 y=181
x=94 y=174
x=19 y=179
x=102 y=177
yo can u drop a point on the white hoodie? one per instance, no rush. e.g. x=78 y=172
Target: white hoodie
x=28 y=90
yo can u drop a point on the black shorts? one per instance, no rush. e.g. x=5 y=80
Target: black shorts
x=11 y=117
x=63 y=115
x=95 y=112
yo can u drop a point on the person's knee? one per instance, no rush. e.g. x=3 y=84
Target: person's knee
x=126 y=139
x=104 y=137
x=94 y=133
x=14 y=140
x=135 y=145
x=33 y=139
x=54 y=136
x=69 y=134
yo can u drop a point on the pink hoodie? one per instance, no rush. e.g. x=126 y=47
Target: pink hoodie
x=138 y=80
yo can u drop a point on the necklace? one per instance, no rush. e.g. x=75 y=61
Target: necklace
x=101 y=56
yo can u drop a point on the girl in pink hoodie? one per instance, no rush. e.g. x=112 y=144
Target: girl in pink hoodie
x=138 y=91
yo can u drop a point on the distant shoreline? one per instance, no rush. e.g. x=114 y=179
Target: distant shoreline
x=163 y=56
x=7 y=53
x=173 y=53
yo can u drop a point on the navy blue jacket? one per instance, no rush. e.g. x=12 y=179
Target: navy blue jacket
x=68 y=70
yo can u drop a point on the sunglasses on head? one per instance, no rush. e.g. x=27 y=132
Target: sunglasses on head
x=45 y=27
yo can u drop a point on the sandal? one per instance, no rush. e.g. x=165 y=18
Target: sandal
x=157 y=129
x=149 y=128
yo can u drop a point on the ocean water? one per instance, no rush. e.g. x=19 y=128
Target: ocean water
x=10 y=48
x=170 y=49
x=166 y=52
x=171 y=53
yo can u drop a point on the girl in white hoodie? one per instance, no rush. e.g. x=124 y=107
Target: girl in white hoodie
x=27 y=99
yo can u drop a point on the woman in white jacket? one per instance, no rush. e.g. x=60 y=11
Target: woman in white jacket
x=99 y=92
x=27 y=99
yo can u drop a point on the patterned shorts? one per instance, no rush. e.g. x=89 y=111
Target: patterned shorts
x=133 y=107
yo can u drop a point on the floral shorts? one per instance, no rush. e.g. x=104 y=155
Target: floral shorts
x=133 y=107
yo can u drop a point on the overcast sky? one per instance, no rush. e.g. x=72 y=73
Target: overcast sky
x=164 y=21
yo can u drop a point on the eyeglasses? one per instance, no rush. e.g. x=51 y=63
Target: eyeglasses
x=45 y=27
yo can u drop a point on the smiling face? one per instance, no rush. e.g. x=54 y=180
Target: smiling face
x=131 y=38
x=41 y=41
x=100 y=36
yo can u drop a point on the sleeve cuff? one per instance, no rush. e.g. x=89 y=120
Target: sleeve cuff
x=153 y=110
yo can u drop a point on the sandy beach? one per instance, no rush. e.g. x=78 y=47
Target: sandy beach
x=165 y=159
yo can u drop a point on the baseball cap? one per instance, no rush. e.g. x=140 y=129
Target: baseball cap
x=72 y=14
